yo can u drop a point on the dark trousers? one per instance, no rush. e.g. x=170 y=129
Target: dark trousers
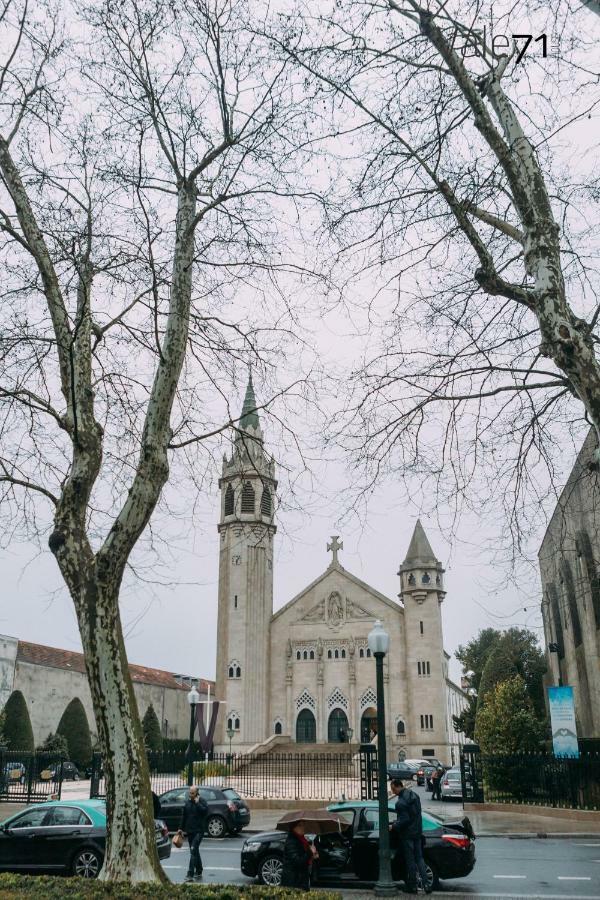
x=195 y=866
x=413 y=856
x=437 y=789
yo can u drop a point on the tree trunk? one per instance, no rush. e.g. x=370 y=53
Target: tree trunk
x=131 y=853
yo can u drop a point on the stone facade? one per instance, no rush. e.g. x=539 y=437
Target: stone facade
x=50 y=678
x=569 y=560
x=305 y=672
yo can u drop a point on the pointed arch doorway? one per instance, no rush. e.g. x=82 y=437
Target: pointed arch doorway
x=306 y=728
x=337 y=727
x=368 y=725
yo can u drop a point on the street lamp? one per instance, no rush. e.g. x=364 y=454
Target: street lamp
x=379 y=643
x=230 y=734
x=193 y=699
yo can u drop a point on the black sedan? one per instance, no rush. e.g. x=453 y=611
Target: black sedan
x=228 y=813
x=62 y=836
x=449 y=849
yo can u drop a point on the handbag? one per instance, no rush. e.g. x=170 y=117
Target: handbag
x=177 y=840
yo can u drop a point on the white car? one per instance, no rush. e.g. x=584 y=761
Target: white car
x=452 y=785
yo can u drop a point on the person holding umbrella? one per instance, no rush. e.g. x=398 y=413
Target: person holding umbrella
x=298 y=853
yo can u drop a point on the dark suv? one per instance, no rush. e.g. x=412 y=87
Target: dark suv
x=227 y=812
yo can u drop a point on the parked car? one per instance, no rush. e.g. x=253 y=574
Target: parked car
x=452 y=784
x=228 y=813
x=449 y=849
x=66 y=836
x=70 y=772
x=405 y=769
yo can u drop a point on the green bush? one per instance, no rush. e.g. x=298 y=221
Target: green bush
x=74 y=726
x=153 y=739
x=204 y=771
x=46 y=887
x=56 y=743
x=17 y=730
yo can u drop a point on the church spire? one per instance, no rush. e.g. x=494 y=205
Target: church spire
x=419 y=548
x=249 y=413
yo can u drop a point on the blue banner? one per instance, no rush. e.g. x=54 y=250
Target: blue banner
x=562 y=719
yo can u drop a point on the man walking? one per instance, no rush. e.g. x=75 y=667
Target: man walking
x=193 y=823
x=409 y=829
x=436 y=779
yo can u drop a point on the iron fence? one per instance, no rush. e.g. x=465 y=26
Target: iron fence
x=30 y=776
x=542 y=780
x=286 y=776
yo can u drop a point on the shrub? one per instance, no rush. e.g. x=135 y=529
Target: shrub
x=153 y=739
x=56 y=743
x=74 y=726
x=17 y=730
x=46 y=887
x=204 y=771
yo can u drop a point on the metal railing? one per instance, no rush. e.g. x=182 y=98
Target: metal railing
x=286 y=776
x=29 y=776
x=539 y=779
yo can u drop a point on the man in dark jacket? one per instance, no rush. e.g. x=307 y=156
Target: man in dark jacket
x=409 y=829
x=193 y=823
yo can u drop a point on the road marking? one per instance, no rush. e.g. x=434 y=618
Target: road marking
x=510 y=876
x=581 y=844
x=574 y=877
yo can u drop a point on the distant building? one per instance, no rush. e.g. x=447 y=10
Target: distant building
x=50 y=678
x=569 y=560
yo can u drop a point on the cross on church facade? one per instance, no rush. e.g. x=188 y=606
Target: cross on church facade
x=334 y=546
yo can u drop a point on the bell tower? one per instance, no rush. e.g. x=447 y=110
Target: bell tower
x=246 y=530
x=422 y=592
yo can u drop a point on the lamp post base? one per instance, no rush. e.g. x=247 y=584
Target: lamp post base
x=384 y=888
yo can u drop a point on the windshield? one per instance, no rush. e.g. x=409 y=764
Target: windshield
x=231 y=794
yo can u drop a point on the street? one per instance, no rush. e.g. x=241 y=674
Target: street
x=505 y=867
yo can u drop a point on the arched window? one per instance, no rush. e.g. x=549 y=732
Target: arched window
x=236 y=725
x=312 y=654
x=368 y=651
x=337 y=654
x=305 y=654
x=306 y=727
x=584 y=546
x=400 y=727
x=238 y=672
x=298 y=654
x=234 y=669
x=229 y=501
x=230 y=672
x=361 y=652
x=569 y=585
x=266 y=503
x=248 y=498
x=426 y=578
x=233 y=721
x=278 y=728
x=411 y=579
x=329 y=654
x=343 y=654
x=337 y=727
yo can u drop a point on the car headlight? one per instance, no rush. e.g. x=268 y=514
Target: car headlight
x=251 y=846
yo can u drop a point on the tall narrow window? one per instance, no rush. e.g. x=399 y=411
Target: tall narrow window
x=422 y=722
x=421 y=627
x=585 y=548
x=312 y=654
x=572 y=601
x=266 y=504
x=343 y=654
x=418 y=668
x=361 y=652
x=298 y=654
x=229 y=501
x=235 y=601
x=248 y=498
x=428 y=669
x=552 y=594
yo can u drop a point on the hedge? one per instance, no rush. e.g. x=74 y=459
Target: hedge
x=47 y=887
x=17 y=730
x=75 y=728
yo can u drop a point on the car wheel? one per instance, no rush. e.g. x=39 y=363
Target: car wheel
x=216 y=827
x=433 y=880
x=270 y=871
x=76 y=776
x=87 y=863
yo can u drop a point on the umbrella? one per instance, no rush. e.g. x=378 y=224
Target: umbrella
x=315 y=821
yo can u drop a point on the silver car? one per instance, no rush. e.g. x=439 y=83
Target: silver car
x=452 y=785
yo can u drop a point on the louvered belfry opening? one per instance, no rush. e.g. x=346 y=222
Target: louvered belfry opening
x=248 y=498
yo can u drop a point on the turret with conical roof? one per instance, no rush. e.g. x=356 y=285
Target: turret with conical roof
x=421 y=571
x=249 y=417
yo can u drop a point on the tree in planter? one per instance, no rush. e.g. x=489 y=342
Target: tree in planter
x=152 y=735
x=135 y=201
x=454 y=190
x=74 y=727
x=17 y=731
x=56 y=743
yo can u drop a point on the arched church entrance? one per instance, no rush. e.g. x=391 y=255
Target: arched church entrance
x=368 y=725
x=337 y=727
x=306 y=728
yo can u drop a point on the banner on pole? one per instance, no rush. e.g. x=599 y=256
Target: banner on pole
x=562 y=719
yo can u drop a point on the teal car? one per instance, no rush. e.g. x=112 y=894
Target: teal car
x=66 y=836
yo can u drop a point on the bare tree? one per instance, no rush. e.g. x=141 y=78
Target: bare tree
x=452 y=187
x=145 y=154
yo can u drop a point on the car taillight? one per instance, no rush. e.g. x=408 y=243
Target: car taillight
x=457 y=840
x=231 y=806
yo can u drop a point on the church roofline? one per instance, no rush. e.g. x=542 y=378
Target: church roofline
x=357 y=581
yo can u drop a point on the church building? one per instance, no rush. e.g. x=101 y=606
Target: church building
x=304 y=675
